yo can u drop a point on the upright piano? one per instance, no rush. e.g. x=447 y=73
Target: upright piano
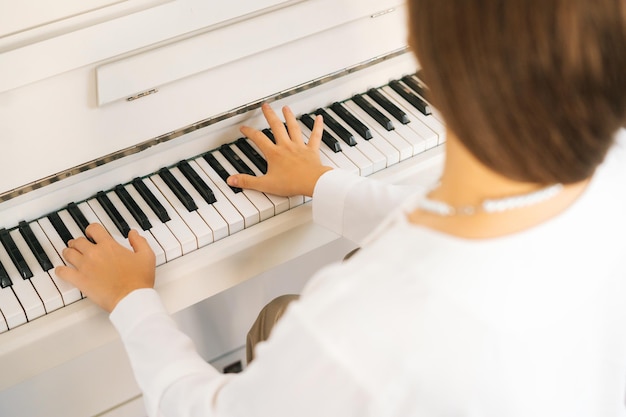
x=127 y=113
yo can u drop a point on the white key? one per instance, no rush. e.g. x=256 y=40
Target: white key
x=208 y=213
x=365 y=165
x=404 y=148
x=258 y=199
x=11 y=309
x=379 y=161
x=69 y=293
x=414 y=114
x=171 y=246
x=281 y=204
x=248 y=211
x=416 y=139
x=224 y=207
x=47 y=291
x=71 y=225
x=107 y=223
x=3 y=324
x=52 y=235
x=203 y=233
x=176 y=225
x=159 y=253
x=338 y=159
x=23 y=288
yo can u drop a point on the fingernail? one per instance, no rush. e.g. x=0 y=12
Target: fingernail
x=232 y=181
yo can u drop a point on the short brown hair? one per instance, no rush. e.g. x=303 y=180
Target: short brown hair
x=535 y=89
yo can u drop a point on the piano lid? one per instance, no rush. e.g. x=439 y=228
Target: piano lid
x=115 y=75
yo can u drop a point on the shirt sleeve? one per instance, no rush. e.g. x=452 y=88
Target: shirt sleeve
x=160 y=354
x=353 y=206
x=282 y=381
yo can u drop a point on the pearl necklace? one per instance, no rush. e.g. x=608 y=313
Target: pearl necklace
x=490 y=205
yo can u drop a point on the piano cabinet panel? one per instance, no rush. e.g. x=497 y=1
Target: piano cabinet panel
x=55 y=124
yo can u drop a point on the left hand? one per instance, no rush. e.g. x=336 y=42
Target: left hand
x=106 y=271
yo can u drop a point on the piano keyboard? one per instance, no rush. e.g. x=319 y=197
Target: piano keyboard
x=188 y=205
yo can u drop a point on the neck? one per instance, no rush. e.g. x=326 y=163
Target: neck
x=467 y=182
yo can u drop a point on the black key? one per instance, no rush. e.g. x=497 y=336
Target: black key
x=341 y=131
x=411 y=97
x=112 y=212
x=15 y=254
x=327 y=138
x=269 y=134
x=5 y=281
x=252 y=154
x=198 y=183
x=219 y=169
x=386 y=104
x=132 y=207
x=78 y=217
x=420 y=74
x=375 y=114
x=352 y=121
x=415 y=86
x=178 y=190
x=151 y=200
x=60 y=227
x=234 y=159
x=35 y=246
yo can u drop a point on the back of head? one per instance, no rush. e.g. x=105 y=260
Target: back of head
x=535 y=89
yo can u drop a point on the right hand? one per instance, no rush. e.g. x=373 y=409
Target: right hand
x=293 y=167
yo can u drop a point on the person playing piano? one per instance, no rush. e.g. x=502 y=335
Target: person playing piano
x=498 y=292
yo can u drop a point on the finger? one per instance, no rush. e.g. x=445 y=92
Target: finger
x=316 y=133
x=244 y=181
x=258 y=138
x=72 y=257
x=138 y=242
x=292 y=125
x=81 y=244
x=97 y=233
x=277 y=126
x=69 y=274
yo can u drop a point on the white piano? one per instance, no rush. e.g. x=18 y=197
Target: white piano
x=108 y=102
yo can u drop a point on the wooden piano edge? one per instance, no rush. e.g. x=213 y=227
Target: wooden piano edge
x=81 y=327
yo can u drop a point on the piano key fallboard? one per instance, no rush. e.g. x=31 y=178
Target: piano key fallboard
x=188 y=205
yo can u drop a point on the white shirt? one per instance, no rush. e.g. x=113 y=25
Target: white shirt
x=420 y=323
